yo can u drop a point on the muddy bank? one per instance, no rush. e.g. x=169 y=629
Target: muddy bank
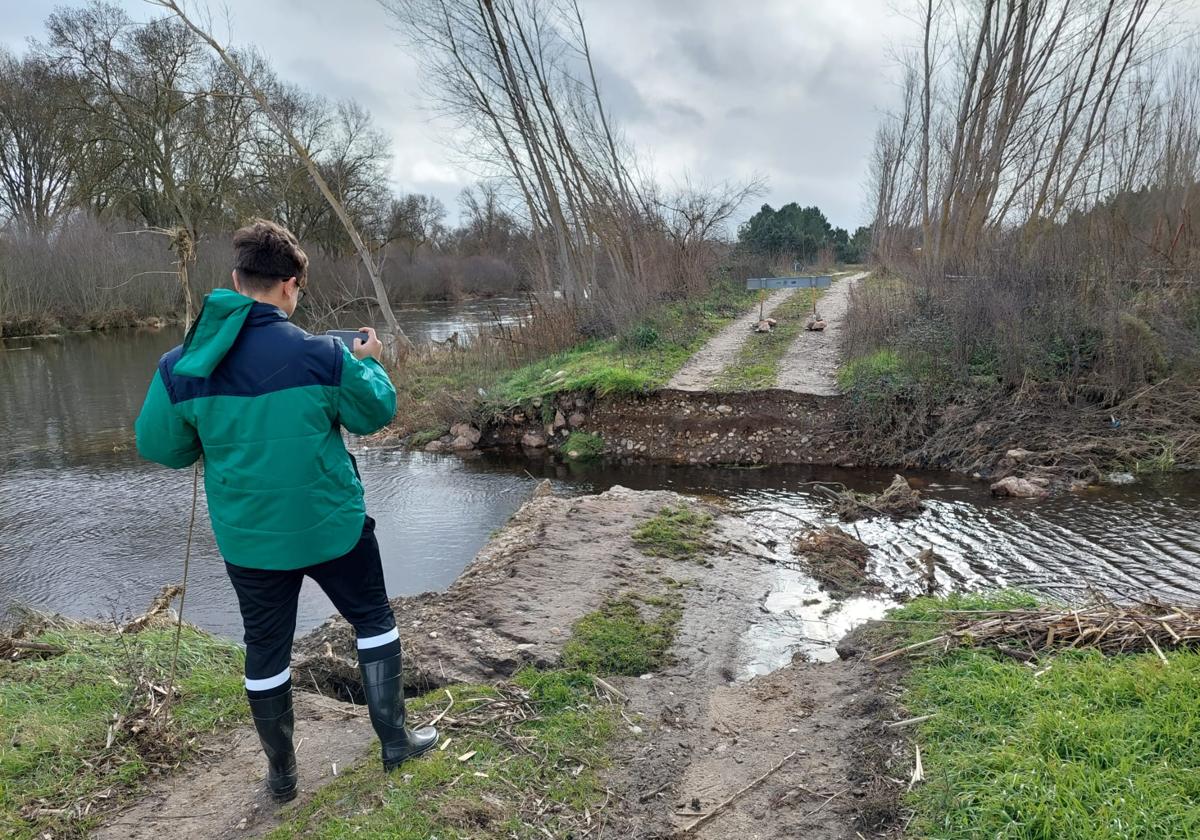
x=44 y=326
x=682 y=427
x=1038 y=436
x=555 y=561
x=695 y=733
x=702 y=749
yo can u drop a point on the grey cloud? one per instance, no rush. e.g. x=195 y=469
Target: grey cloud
x=705 y=88
x=678 y=112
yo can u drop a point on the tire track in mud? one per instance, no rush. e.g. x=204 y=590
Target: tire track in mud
x=810 y=365
x=702 y=369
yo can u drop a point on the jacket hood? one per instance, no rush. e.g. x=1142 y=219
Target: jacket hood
x=220 y=321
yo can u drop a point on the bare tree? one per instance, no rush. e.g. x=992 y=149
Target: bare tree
x=518 y=76
x=1007 y=117
x=38 y=143
x=415 y=221
x=231 y=61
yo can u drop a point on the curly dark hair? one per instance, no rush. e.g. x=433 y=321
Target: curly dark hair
x=266 y=253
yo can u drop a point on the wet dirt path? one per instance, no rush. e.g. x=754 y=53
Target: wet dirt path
x=698 y=732
x=220 y=792
x=702 y=369
x=810 y=364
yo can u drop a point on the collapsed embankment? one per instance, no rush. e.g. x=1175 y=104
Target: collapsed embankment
x=765 y=427
x=1039 y=434
x=606 y=638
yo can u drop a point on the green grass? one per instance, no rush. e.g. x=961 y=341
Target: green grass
x=482 y=380
x=1164 y=461
x=583 y=446
x=677 y=533
x=557 y=755
x=642 y=358
x=757 y=364
x=55 y=714
x=425 y=436
x=881 y=371
x=1096 y=747
x=924 y=617
x=619 y=638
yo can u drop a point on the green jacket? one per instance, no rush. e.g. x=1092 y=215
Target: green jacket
x=265 y=402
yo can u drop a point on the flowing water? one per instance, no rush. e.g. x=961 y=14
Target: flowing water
x=88 y=529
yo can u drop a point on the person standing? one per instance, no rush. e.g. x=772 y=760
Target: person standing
x=265 y=402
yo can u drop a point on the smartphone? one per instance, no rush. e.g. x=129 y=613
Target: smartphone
x=348 y=336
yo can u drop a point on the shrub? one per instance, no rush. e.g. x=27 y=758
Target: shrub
x=582 y=446
x=641 y=337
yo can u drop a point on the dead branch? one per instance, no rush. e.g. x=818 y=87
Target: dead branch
x=686 y=830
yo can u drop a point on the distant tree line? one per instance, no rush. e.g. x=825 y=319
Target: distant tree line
x=139 y=125
x=108 y=123
x=803 y=234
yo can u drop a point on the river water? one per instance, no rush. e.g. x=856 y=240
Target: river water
x=88 y=529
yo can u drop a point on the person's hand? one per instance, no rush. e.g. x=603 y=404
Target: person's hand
x=372 y=347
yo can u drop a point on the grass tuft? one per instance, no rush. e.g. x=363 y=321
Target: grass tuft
x=583 y=446
x=540 y=768
x=619 y=639
x=678 y=533
x=425 y=436
x=55 y=715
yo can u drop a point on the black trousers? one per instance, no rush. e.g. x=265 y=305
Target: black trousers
x=268 y=599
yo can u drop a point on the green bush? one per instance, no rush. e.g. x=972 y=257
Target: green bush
x=582 y=446
x=641 y=337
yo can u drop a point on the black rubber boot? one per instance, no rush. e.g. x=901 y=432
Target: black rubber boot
x=274 y=720
x=383 y=685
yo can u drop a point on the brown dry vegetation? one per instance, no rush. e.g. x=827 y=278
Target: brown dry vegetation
x=1038 y=201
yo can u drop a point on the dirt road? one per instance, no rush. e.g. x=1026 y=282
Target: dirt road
x=697 y=735
x=219 y=794
x=700 y=371
x=810 y=364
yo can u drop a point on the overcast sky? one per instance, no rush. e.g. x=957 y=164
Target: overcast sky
x=787 y=89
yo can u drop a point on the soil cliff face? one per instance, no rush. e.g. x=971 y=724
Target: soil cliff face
x=681 y=427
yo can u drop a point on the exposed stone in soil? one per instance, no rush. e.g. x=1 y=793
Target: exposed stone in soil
x=765 y=427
